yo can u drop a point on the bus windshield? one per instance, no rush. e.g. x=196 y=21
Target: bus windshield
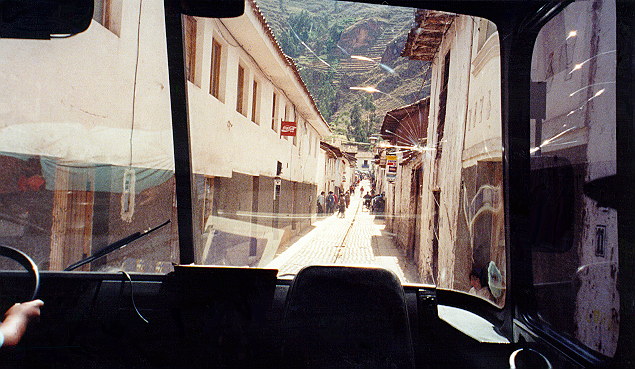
x=322 y=132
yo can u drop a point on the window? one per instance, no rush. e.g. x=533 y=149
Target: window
x=215 y=72
x=64 y=199
x=108 y=14
x=274 y=112
x=191 y=56
x=573 y=146
x=241 y=91
x=255 y=103
x=266 y=187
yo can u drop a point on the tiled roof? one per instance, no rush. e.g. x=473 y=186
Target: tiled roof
x=426 y=35
x=289 y=60
x=330 y=149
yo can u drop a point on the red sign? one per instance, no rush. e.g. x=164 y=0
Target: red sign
x=288 y=128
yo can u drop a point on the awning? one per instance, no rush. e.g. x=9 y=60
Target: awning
x=95 y=158
x=73 y=143
x=408 y=124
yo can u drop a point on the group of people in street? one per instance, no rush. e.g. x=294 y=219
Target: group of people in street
x=375 y=203
x=329 y=204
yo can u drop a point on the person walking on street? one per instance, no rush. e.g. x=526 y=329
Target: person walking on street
x=367 y=201
x=347 y=197
x=341 y=207
x=330 y=203
x=336 y=202
x=321 y=203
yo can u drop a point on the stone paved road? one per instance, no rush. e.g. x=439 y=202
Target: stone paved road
x=356 y=239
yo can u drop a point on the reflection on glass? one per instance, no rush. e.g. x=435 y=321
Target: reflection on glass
x=573 y=144
x=85 y=143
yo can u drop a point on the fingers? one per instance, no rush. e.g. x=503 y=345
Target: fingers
x=34 y=307
x=26 y=309
x=36 y=303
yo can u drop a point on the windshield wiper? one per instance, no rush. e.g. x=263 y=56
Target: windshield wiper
x=114 y=246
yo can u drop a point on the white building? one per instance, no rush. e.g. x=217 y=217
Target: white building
x=251 y=179
x=365 y=161
x=89 y=117
x=338 y=169
x=461 y=161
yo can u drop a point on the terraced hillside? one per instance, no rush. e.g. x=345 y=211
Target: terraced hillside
x=338 y=45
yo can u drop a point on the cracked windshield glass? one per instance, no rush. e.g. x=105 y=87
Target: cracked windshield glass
x=321 y=132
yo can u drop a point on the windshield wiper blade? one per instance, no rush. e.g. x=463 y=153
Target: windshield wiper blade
x=114 y=246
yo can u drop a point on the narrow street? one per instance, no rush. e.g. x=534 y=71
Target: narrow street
x=357 y=239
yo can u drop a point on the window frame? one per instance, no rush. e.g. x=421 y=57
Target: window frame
x=216 y=69
x=241 y=89
x=256 y=89
x=274 y=111
x=191 y=47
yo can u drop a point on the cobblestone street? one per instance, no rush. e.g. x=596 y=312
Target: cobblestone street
x=357 y=239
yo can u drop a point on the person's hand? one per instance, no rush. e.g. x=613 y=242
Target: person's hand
x=16 y=320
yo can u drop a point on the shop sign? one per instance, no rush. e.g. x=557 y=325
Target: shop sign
x=288 y=128
x=391 y=167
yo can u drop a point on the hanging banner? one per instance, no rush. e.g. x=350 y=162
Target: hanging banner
x=288 y=128
x=391 y=167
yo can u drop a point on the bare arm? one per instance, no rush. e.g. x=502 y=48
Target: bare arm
x=16 y=320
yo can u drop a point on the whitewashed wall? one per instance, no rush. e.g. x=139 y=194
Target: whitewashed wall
x=72 y=98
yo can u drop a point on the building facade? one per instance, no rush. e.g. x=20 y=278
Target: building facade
x=256 y=186
x=453 y=166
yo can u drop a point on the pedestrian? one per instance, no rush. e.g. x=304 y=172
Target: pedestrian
x=377 y=204
x=330 y=203
x=480 y=288
x=367 y=200
x=361 y=191
x=321 y=203
x=337 y=201
x=341 y=207
x=347 y=197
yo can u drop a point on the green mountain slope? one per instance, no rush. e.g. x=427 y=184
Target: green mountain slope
x=339 y=45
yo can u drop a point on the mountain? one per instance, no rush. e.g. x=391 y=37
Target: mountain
x=338 y=45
